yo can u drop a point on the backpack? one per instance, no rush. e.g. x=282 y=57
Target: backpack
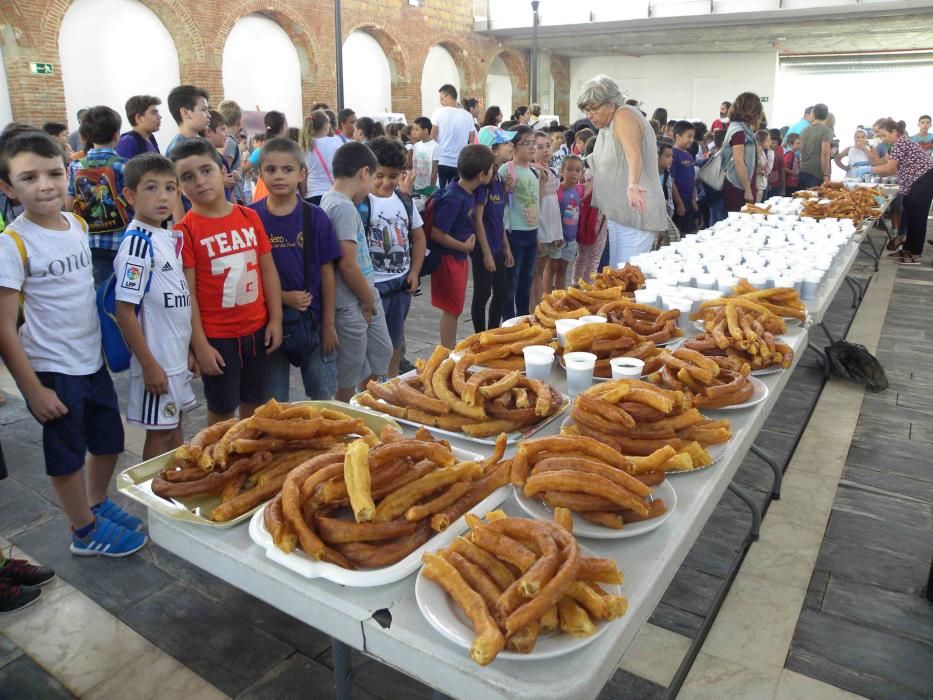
x=97 y=198
x=140 y=141
x=588 y=226
x=853 y=362
x=116 y=351
x=427 y=218
x=712 y=172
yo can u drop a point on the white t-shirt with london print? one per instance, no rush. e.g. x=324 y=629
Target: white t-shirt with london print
x=165 y=310
x=60 y=332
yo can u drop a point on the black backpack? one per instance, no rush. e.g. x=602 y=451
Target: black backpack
x=853 y=362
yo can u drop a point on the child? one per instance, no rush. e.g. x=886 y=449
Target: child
x=396 y=241
x=188 y=106
x=154 y=307
x=364 y=347
x=791 y=164
x=924 y=137
x=45 y=257
x=422 y=158
x=861 y=156
x=304 y=248
x=236 y=300
x=665 y=160
x=684 y=176
x=95 y=189
x=776 y=181
x=580 y=139
x=762 y=163
x=569 y=195
x=142 y=112
x=550 y=231
x=454 y=237
x=558 y=147
x=593 y=230
x=521 y=186
x=491 y=256
x=216 y=135
x=232 y=155
x=59 y=132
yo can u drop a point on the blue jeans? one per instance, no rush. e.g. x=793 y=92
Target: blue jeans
x=318 y=374
x=524 y=245
x=717 y=211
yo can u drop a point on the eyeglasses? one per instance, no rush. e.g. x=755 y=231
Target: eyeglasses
x=593 y=109
x=525 y=143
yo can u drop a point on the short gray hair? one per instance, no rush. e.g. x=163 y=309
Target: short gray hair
x=599 y=91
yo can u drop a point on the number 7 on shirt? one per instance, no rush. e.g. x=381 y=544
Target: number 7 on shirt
x=241 y=284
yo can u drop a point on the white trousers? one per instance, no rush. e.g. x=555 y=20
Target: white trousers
x=626 y=242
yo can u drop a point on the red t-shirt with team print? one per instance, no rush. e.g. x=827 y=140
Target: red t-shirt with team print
x=225 y=252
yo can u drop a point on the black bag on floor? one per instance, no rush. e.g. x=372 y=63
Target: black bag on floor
x=853 y=362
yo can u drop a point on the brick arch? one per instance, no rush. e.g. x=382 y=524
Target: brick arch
x=294 y=25
x=466 y=64
x=173 y=14
x=516 y=64
x=13 y=27
x=398 y=59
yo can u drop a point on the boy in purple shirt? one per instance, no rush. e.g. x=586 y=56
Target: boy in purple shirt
x=684 y=175
x=453 y=237
x=491 y=255
x=304 y=247
x=142 y=112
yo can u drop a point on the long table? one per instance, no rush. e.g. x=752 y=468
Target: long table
x=386 y=624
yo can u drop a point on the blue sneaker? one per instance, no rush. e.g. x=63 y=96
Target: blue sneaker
x=107 y=539
x=110 y=510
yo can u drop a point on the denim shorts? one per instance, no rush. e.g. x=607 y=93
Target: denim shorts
x=396 y=301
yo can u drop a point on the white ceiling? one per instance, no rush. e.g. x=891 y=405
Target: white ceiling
x=709 y=34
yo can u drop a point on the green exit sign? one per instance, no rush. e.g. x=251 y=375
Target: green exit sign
x=41 y=68
x=764 y=99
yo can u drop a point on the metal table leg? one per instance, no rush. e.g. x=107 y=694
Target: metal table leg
x=821 y=356
x=752 y=506
x=340 y=653
x=771 y=462
x=875 y=253
x=856 y=291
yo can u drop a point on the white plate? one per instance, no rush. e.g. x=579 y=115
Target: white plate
x=301 y=563
x=511 y=438
x=764 y=371
x=584 y=528
x=716 y=452
x=446 y=617
x=508 y=323
x=760 y=394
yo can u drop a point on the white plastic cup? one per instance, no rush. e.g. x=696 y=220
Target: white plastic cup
x=646 y=296
x=727 y=284
x=579 y=366
x=811 y=284
x=538 y=361
x=706 y=280
x=564 y=326
x=592 y=319
x=627 y=367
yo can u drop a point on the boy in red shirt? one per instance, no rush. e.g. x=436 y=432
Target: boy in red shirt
x=236 y=299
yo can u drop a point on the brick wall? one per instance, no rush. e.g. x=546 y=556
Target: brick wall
x=29 y=32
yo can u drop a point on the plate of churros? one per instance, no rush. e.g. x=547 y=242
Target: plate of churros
x=228 y=470
x=363 y=517
x=453 y=397
x=600 y=523
x=472 y=591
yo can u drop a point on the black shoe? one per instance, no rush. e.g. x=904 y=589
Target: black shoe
x=20 y=572
x=405 y=366
x=14 y=598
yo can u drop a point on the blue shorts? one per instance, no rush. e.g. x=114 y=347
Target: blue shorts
x=396 y=301
x=92 y=423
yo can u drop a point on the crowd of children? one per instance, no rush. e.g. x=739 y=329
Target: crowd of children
x=233 y=261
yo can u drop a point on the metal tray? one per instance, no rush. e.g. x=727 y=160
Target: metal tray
x=136 y=482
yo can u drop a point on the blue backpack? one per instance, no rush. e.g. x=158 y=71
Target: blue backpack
x=116 y=351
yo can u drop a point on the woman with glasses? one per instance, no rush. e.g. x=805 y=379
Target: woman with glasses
x=626 y=188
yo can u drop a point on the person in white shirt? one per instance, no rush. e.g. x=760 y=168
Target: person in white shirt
x=422 y=159
x=319 y=150
x=453 y=128
x=154 y=307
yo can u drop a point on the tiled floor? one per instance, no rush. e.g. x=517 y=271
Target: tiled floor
x=179 y=631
